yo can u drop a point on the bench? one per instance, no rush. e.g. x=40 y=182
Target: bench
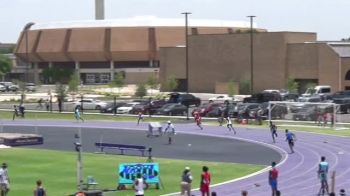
x=120 y=147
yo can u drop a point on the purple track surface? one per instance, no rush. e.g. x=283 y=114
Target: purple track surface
x=298 y=173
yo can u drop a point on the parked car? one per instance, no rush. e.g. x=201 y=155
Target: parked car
x=220 y=99
x=341 y=94
x=13 y=88
x=288 y=96
x=344 y=104
x=205 y=108
x=302 y=102
x=30 y=87
x=10 y=86
x=2 y=88
x=263 y=97
x=306 y=113
x=172 y=109
x=278 y=111
x=215 y=112
x=91 y=104
x=184 y=99
x=243 y=110
x=111 y=107
x=125 y=109
x=141 y=107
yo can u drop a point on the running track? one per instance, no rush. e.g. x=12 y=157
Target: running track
x=297 y=171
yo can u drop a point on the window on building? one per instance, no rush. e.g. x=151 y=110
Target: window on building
x=347 y=76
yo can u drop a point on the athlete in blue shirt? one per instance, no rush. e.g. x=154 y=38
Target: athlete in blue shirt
x=290 y=138
x=322 y=174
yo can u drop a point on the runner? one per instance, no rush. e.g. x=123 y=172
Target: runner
x=139 y=118
x=198 y=119
x=290 y=138
x=229 y=125
x=273 y=175
x=77 y=113
x=273 y=129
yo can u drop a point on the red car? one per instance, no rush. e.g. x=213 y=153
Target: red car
x=205 y=108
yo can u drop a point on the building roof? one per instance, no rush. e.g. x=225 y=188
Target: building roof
x=342 y=48
x=142 y=21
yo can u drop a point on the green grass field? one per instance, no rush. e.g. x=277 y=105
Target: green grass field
x=57 y=170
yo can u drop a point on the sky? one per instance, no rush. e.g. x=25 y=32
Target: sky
x=328 y=18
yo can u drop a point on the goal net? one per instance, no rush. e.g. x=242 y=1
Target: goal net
x=308 y=114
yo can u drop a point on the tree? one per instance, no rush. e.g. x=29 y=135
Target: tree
x=73 y=83
x=57 y=74
x=152 y=82
x=231 y=88
x=171 y=83
x=244 y=87
x=61 y=91
x=141 y=90
x=118 y=81
x=5 y=65
x=292 y=85
x=61 y=94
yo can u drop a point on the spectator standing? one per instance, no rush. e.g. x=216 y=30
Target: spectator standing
x=205 y=181
x=47 y=105
x=21 y=110
x=170 y=132
x=139 y=117
x=140 y=185
x=290 y=138
x=39 y=189
x=4 y=180
x=273 y=129
x=273 y=175
x=15 y=112
x=40 y=104
x=323 y=174
x=325 y=119
x=186 y=180
x=59 y=101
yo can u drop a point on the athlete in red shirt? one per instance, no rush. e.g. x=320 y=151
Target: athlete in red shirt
x=205 y=181
x=198 y=119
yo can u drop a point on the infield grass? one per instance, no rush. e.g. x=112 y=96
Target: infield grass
x=57 y=170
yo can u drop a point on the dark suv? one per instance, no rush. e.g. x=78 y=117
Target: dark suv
x=184 y=99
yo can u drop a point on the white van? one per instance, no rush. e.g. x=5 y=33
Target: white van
x=322 y=90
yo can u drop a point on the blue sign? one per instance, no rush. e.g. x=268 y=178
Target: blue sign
x=128 y=172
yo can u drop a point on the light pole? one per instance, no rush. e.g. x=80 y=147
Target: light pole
x=78 y=148
x=25 y=30
x=186 y=42
x=251 y=55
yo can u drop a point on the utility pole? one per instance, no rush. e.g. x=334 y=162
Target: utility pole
x=251 y=55
x=187 y=74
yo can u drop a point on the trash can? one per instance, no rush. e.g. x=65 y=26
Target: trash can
x=154 y=129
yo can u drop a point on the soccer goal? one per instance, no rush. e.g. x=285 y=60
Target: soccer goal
x=306 y=114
